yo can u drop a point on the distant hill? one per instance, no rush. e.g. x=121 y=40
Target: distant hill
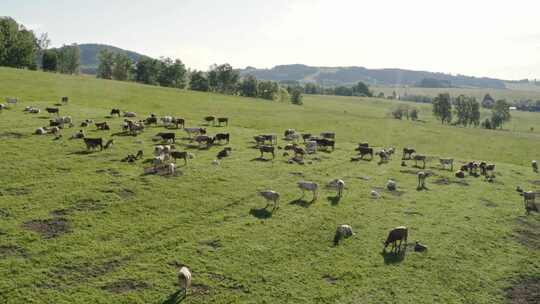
x=90 y=51
x=333 y=76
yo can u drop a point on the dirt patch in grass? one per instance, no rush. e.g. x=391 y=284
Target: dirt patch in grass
x=12 y=250
x=11 y=135
x=525 y=291
x=200 y=289
x=49 y=228
x=330 y=279
x=15 y=191
x=83 y=205
x=124 y=286
x=447 y=181
x=528 y=232
x=488 y=203
x=64 y=276
x=123 y=193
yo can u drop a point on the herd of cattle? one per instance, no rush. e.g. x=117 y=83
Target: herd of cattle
x=298 y=144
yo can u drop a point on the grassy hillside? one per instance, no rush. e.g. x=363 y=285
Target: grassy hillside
x=80 y=228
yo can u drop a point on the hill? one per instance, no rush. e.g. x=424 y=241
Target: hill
x=78 y=226
x=90 y=51
x=334 y=76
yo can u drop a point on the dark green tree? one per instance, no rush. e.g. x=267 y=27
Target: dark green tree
x=248 y=87
x=267 y=90
x=500 y=114
x=18 y=46
x=296 y=96
x=49 y=61
x=69 y=59
x=361 y=89
x=106 y=64
x=172 y=73
x=442 y=108
x=198 y=82
x=147 y=71
x=123 y=67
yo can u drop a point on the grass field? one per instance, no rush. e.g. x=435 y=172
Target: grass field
x=87 y=228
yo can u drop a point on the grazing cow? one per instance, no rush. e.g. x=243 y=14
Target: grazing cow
x=391 y=185
x=328 y=135
x=460 y=174
x=259 y=140
x=78 y=135
x=306 y=136
x=270 y=138
x=422 y=179
x=339 y=185
x=194 y=131
x=130 y=114
x=151 y=120
x=298 y=151
x=420 y=247
x=534 y=165
x=92 y=143
x=363 y=151
x=41 y=131
x=397 y=234
x=308 y=186
x=54 y=130
x=529 y=200
x=204 y=139
x=407 y=153
x=2 y=106
x=267 y=149
x=447 y=162
x=167 y=136
x=488 y=170
x=311 y=146
x=224 y=153
x=289 y=132
x=102 y=126
x=210 y=119
x=181 y=155
x=422 y=158
x=223 y=120
x=178 y=122
x=65 y=99
x=53 y=110
x=472 y=167
x=325 y=143
x=108 y=144
x=342 y=231
x=115 y=112
x=32 y=110
x=384 y=156
x=184 y=279
x=271 y=197
x=221 y=137
x=166 y=120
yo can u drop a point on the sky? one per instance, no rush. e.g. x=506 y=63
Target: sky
x=472 y=37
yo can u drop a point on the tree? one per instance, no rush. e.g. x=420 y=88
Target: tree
x=361 y=89
x=49 y=61
x=283 y=95
x=172 y=73
x=414 y=114
x=500 y=114
x=488 y=102
x=69 y=59
x=474 y=118
x=248 y=86
x=18 y=46
x=106 y=64
x=442 y=108
x=198 y=82
x=343 y=91
x=147 y=71
x=267 y=90
x=122 y=68
x=223 y=79
x=296 y=96
x=461 y=108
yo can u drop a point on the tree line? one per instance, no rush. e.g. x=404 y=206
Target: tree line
x=467 y=111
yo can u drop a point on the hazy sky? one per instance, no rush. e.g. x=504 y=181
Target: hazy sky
x=481 y=38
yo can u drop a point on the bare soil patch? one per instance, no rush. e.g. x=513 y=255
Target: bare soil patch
x=83 y=205
x=200 y=289
x=528 y=233
x=330 y=279
x=525 y=291
x=49 y=228
x=124 y=286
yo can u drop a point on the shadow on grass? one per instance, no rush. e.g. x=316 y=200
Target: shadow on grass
x=177 y=297
x=334 y=200
x=262 y=213
x=394 y=257
x=262 y=159
x=302 y=203
x=83 y=152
